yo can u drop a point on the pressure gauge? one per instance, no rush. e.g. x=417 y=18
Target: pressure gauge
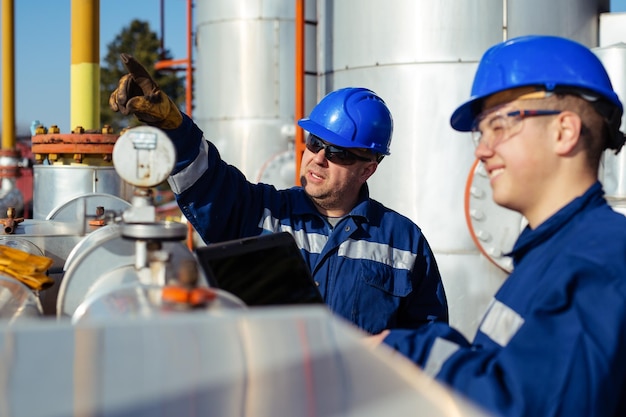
x=144 y=156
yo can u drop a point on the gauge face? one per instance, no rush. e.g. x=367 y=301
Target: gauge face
x=144 y=156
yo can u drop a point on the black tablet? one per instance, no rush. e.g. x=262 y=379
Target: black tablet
x=261 y=270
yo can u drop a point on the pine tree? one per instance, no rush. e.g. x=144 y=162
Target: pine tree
x=140 y=41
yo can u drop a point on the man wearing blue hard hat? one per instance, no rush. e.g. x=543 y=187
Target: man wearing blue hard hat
x=373 y=266
x=553 y=339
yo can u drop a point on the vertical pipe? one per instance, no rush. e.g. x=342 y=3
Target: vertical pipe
x=162 y=50
x=299 y=77
x=8 y=75
x=85 y=69
x=188 y=96
x=505 y=20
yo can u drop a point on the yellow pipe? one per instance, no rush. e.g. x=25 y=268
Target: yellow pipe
x=8 y=75
x=85 y=67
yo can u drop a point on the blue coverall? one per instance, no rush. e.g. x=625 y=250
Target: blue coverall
x=553 y=341
x=374 y=268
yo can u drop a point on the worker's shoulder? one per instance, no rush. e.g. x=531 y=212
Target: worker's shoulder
x=390 y=219
x=605 y=223
x=600 y=238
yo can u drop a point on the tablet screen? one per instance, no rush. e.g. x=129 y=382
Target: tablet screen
x=261 y=270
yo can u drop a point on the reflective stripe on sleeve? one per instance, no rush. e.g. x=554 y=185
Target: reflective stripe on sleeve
x=310 y=242
x=501 y=323
x=440 y=351
x=184 y=179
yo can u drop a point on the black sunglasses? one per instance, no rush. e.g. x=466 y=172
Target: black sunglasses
x=334 y=154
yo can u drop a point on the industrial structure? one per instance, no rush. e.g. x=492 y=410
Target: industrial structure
x=118 y=347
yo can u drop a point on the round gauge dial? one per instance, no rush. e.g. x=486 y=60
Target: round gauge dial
x=144 y=156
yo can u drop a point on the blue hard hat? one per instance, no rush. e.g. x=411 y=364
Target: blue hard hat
x=548 y=62
x=352 y=118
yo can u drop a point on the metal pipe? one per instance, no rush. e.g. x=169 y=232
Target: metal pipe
x=189 y=97
x=299 y=80
x=189 y=89
x=162 y=18
x=188 y=62
x=8 y=75
x=85 y=68
x=505 y=20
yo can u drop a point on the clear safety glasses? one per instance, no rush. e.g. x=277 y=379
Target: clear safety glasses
x=334 y=154
x=499 y=127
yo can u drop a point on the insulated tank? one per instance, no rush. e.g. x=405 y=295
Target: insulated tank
x=244 y=84
x=612 y=53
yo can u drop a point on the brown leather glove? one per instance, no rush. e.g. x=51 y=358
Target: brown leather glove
x=138 y=94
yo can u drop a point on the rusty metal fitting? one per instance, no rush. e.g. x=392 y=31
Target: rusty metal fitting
x=10 y=222
x=75 y=146
x=99 y=220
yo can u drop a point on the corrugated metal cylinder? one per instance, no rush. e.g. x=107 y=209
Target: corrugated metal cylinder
x=614 y=166
x=244 y=87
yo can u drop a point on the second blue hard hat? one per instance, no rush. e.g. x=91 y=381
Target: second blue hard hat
x=547 y=62
x=352 y=117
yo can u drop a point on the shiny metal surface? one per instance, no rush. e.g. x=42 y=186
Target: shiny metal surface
x=279 y=170
x=245 y=78
x=154 y=231
x=101 y=263
x=144 y=156
x=10 y=196
x=613 y=170
x=266 y=362
x=53 y=185
x=577 y=19
x=366 y=34
x=21 y=244
x=52 y=239
x=83 y=207
x=17 y=301
x=611 y=28
x=132 y=300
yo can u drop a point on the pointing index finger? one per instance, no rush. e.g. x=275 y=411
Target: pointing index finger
x=139 y=74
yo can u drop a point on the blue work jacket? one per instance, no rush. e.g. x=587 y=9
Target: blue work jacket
x=553 y=341
x=374 y=268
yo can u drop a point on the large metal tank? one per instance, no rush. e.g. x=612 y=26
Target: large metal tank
x=420 y=56
x=244 y=84
x=612 y=53
x=55 y=185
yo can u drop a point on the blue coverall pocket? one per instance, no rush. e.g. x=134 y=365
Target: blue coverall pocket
x=385 y=278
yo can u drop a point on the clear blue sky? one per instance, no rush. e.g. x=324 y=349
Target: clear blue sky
x=43 y=45
x=42 y=49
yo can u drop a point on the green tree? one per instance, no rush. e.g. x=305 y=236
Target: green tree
x=139 y=41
